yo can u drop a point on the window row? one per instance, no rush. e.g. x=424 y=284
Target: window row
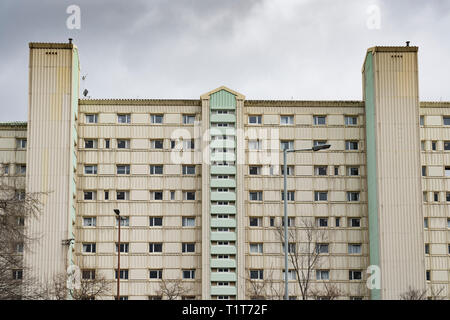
x=425 y=172
x=20 y=169
x=435 y=145
x=435 y=196
x=319 y=222
x=186 y=274
x=445 y=120
x=153 y=247
x=258 y=274
x=352 y=196
x=155 y=118
x=318 y=170
x=89 y=221
x=317 y=120
x=320 y=248
x=154 y=169
x=157 y=195
x=289 y=144
x=158 y=144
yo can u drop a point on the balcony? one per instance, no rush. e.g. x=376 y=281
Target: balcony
x=223 y=276
x=222 y=118
x=223 y=170
x=223 y=183
x=223 y=236
x=223 y=250
x=223 y=263
x=223 y=156
x=223 y=143
x=216 y=209
x=223 y=223
x=223 y=196
x=223 y=290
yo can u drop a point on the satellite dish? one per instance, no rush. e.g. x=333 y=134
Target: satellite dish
x=85 y=92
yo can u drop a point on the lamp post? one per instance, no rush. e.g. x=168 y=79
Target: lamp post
x=286 y=242
x=117 y=212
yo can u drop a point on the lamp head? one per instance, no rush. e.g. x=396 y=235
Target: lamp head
x=321 y=147
x=117 y=211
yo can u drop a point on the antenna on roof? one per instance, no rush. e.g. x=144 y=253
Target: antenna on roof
x=407 y=43
x=70 y=40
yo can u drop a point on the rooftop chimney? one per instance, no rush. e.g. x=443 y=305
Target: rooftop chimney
x=407 y=43
x=70 y=40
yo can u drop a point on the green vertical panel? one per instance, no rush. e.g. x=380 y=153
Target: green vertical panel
x=222 y=99
x=369 y=91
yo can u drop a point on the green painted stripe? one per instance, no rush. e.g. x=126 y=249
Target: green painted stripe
x=374 y=254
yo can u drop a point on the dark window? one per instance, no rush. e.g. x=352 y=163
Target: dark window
x=156 y=221
x=155 y=247
x=256 y=274
x=188 y=247
x=123 y=274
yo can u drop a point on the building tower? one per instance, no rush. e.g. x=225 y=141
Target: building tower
x=391 y=95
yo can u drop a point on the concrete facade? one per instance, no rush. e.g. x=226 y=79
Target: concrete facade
x=199 y=183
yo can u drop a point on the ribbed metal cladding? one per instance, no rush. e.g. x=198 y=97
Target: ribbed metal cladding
x=49 y=158
x=398 y=173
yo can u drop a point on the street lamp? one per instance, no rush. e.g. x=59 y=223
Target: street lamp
x=285 y=151
x=117 y=212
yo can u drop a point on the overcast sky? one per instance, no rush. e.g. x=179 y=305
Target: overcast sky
x=265 y=49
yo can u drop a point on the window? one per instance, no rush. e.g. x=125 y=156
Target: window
x=88 y=274
x=351 y=120
x=424 y=171
x=17 y=274
x=20 y=221
x=188 y=119
x=291 y=247
x=447 y=195
x=425 y=223
x=354 y=248
x=21 y=169
x=427 y=248
x=322 y=248
x=322 y=222
x=291 y=221
x=122 y=195
x=257 y=274
x=20 y=195
x=123 y=247
x=188 y=222
x=256 y=248
x=355 y=275
x=424 y=196
x=422 y=145
x=172 y=195
x=107 y=143
x=337 y=222
x=90 y=195
x=123 y=169
x=90 y=143
x=157 y=144
x=320 y=120
x=89 y=247
x=19 y=247
x=90 y=169
x=319 y=142
x=287 y=145
x=291 y=275
x=447 y=145
x=155 y=247
x=6 y=169
x=322 y=274
x=156 y=118
x=353 y=171
x=290 y=170
x=155 y=221
x=189 y=144
x=123 y=274
x=22 y=143
x=124 y=118
x=255 y=222
x=254 y=119
x=428 y=275
x=351 y=145
x=446 y=120
x=188 y=247
x=156 y=195
x=91 y=118
x=286 y=120
x=255 y=195
x=188 y=170
x=124 y=221
x=189 y=274
x=436 y=196
x=123 y=144
x=422 y=120
x=352 y=196
x=89 y=221
x=320 y=196
x=254 y=145
x=272 y=221
x=188 y=195
x=154 y=297
x=320 y=170
x=290 y=195
x=354 y=222
x=447 y=171
x=255 y=170
x=156 y=169
x=336 y=170
x=433 y=145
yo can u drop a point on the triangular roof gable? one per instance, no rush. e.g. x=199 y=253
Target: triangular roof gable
x=238 y=95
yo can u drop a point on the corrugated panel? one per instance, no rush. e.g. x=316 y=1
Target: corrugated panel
x=223 y=99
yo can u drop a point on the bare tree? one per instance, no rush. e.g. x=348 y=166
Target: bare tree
x=265 y=289
x=172 y=289
x=416 y=294
x=85 y=289
x=303 y=253
x=330 y=292
x=15 y=208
